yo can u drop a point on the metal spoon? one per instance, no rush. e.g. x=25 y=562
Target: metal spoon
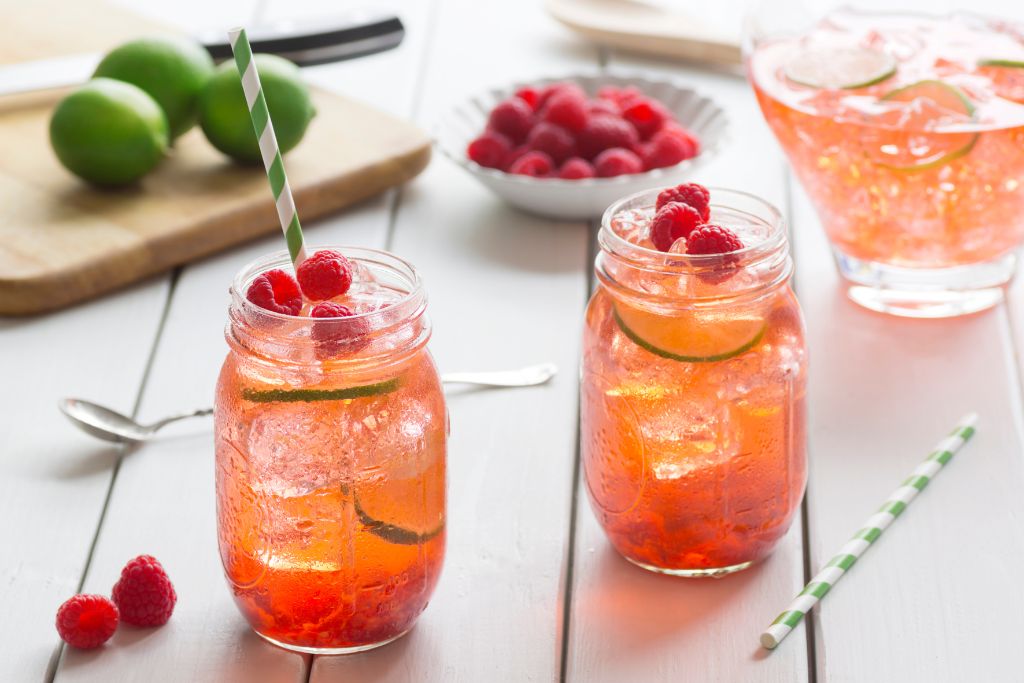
x=111 y=425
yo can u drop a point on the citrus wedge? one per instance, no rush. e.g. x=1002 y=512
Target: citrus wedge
x=840 y=68
x=310 y=395
x=692 y=337
x=941 y=148
x=1007 y=77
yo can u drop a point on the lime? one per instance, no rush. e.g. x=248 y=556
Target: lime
x=109 y=132
x=841 y=68
x=1007 y=76
x=1007 y=63
x=224 y=115
x=690 y=337
x=942 y=148
x=171 y=70
x=311 y=395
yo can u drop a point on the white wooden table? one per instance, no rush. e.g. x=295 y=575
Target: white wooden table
x=531 y=590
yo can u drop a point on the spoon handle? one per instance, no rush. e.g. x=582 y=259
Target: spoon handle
x=180 y=416
x=529 y=376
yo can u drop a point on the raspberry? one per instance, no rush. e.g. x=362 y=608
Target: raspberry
x=647 y=116
x=489 y=150
x=605 y=132
x=693 y=194
x=514 y=156
x=566 y=109
x=617 y=161
x=324 y=275
x=549 y=91
x=144 y=595
x=277 y=291
x=675 y=130
x=513 y=118
x=666 y=150
x=575 y=169
x=673 y=221
x=529 y=95
x=712 y=239
x=619 y=96
x=338 y=336
x=87 y=621
x=553 y=140
x=603 y=107
x=536 y=164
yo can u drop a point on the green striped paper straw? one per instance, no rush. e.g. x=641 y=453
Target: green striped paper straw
x=269 y=149
x=868 y=534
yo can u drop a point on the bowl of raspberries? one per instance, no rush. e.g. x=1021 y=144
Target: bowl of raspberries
x=568 y=147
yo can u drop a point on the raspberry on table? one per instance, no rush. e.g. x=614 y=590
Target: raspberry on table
x=567 y=109
x=553 y=140
x=693 y=194
x=605 y=132
x=87 y=621
x=666 y=150
x=512 y=118
x=529 y=95
x=672 y=222
x=324 y=275
x=617 y=161
x=647 y=116
x=336 y=337
x=277 y=291
x=490 y=149
x=536 y=164
x=576 y=169
x=144 y=594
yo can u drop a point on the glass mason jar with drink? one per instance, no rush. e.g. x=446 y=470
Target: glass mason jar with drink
x=907 y=131
x=331 y=433
x=693 y=382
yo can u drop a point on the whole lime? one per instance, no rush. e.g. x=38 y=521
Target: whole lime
x=109 y=132
x=171 y=70
x=224 y=114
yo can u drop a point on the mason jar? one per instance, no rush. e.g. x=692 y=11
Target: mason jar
x=330 y=448
x=693 y=392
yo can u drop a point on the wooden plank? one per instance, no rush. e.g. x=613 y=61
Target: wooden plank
x=627 y=624
x=938 y=598
x=505 y=289
x=54 y=479
x=163 y=502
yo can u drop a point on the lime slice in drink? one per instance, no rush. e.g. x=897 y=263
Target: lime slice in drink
x=928 y=150
x=840 y=68
x=310 y=395
x=393 y=533
x=692 y=337
x=405 y=510
x=1007 y=76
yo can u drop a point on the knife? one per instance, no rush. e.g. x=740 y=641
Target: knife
x=305 y=43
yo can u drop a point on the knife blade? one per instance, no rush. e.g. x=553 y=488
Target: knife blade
x=307 y=43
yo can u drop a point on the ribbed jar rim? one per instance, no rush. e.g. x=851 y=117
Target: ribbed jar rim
x=769 y=256
x=282 y=337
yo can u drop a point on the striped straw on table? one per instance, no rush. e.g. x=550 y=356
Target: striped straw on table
x=814 y=591
x=269 y=149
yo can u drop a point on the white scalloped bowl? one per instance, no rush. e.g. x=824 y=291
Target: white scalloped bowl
x=587 y=198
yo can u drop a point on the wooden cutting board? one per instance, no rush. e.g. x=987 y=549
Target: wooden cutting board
x=62 y=241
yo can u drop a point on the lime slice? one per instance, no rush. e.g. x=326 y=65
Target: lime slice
x=944 y=147
x=430 y=524
x=841 y=68
x=310 y=395
x=690 y=338
x=1007 y=63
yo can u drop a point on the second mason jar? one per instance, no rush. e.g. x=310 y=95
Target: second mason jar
x=693 y=392
x=331 y=439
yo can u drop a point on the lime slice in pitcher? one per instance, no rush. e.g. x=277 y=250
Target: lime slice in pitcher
x=840 y=68
x=690 y=337
x=929 y=149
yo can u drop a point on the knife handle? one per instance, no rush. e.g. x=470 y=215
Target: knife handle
x=355 y=35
